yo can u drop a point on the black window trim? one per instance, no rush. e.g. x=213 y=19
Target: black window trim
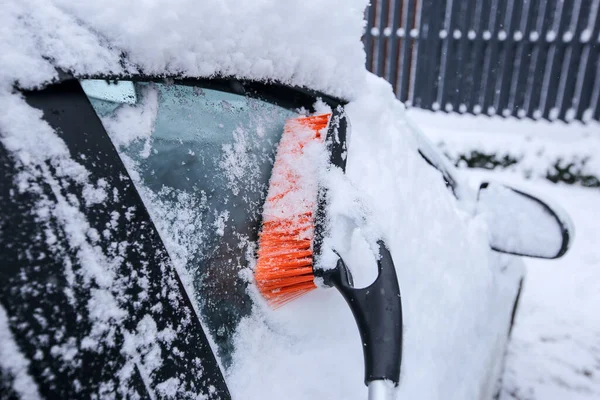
x=281 y=94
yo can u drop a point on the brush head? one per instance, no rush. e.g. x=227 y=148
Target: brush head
x=284 y=269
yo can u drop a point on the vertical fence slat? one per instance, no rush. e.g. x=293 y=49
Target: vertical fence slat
x=564 y=55
x=463 y=59
x=567 y=104
x=404 y=63
x=414 y=34
x=471 y=27
x=594 y=106
x=381 y=25
x=506 y=65
x=494 y=51
x=586 y=84
x=595 y=102
x=522 y=59
x=486 y=66
x=394 y=46
x=367 y=37
x=479 y=56
x=427 y=63
x=423 y=42
x=554 y=64
x=541 y=54
x=535 y=55
x=451 y=74
x=445 y=43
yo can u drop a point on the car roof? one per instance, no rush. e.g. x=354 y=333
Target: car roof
x=313 y=44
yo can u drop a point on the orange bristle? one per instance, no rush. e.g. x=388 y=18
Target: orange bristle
x=285 y=258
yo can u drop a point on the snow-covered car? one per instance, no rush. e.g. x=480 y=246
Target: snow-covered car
x=136 y=157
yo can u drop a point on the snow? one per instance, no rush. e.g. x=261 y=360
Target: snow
x=288 y=200
x=14 y=362
x=550 y=36
x=314 y=337
x=536 y=146
x=295 y=42
x=554 y=353
x=554 y=350
x=518 y=36
x=586 y=35
x=518 y=224
x=534 y=36
x=457 y=296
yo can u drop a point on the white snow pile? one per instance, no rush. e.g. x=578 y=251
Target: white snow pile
x=311 y=43
x=534 y=147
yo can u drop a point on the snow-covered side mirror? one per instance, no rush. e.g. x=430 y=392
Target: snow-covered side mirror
x=522 y=224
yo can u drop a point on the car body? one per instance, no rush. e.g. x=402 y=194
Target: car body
x=129 y=222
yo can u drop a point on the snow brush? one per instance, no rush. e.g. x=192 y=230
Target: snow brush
x=294 y=219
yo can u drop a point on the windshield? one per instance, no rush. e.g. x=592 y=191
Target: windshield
x=201 y=160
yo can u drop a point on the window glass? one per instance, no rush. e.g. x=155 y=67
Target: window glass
x=201 y=160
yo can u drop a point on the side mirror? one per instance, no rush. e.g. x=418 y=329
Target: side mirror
x=522 y=224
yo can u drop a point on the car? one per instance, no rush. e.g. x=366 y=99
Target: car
x=130 y=209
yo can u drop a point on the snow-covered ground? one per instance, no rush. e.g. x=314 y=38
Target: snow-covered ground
x=555 y=349
x=569 y=152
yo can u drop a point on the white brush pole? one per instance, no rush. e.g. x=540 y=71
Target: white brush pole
x=379 y=390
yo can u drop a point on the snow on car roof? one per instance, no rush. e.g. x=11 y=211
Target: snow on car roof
x=312 y=43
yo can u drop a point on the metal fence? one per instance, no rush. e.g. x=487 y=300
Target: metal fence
x=522 y=58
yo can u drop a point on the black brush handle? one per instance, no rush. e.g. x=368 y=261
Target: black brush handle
x=377 y=310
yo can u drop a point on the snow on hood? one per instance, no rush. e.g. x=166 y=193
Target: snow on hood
x=312 y=43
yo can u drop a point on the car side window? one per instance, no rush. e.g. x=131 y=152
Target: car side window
x=201 y=160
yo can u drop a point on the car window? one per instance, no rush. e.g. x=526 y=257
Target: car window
x=201 y=159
